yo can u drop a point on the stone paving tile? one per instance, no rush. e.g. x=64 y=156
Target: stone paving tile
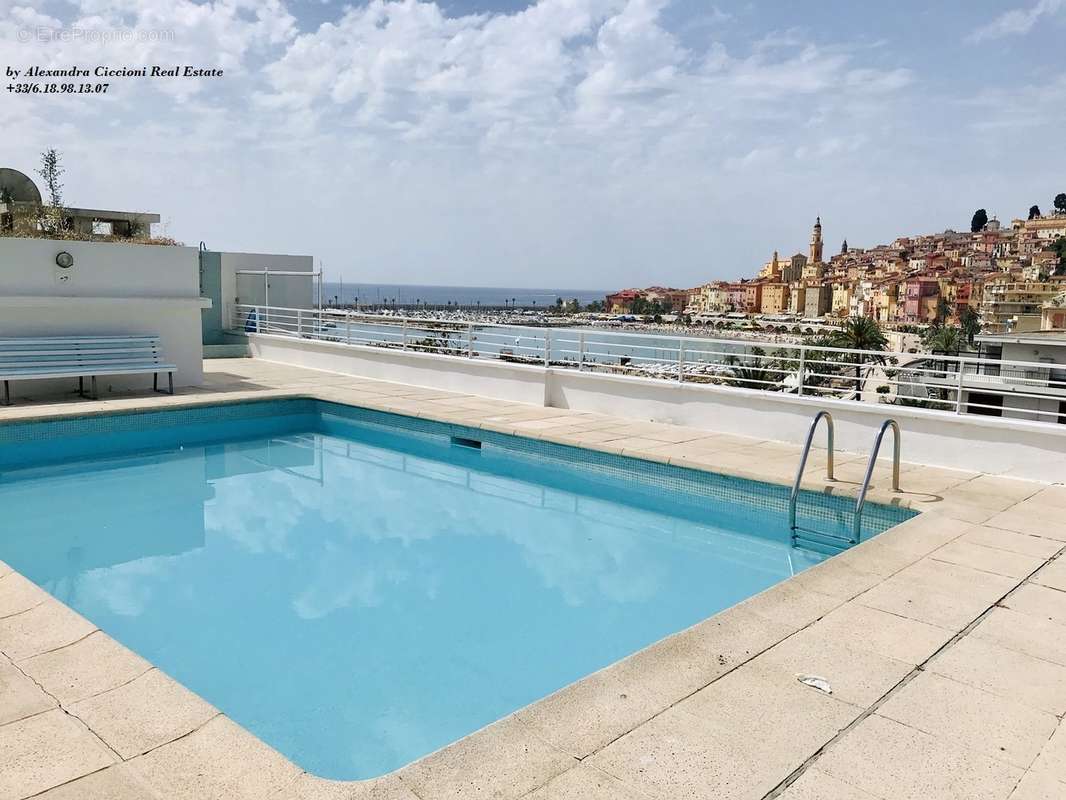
x=138 y=716
x=836 y=578
x=471 y=766
x=1011 y=541
x=680 y=757
x=891 y=760
x=878 y=556
x=1026 y=634
x=1040 y=602
x=791 y=604
x=584 y=783
x=1053 y=575
x=814 y=784
x=856 y=676
x=934 y=480
x=585 y=716
x=924 y=534
x=19 y=696
x=87 y=667
x=1030 y=519
x=1008 y=673
x=46 y=750
x=880 y=632
x=1051 y=497
x=45 y=627
x=220 y=761
x=1039 y=786
x=971 y=717
x=1052 y=758
x=693 y=750
x=961 y=509
x=114 y=783
x=988 y=559
x=1009 y=488
x=18 y=594
x=938 y=593
x=309 y=787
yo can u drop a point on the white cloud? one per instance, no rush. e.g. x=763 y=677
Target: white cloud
x=577 y=141
x=1017 y=22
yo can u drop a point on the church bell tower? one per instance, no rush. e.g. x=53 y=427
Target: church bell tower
x=816 y=242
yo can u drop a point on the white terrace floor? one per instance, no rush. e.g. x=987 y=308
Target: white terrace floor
x=944 y=641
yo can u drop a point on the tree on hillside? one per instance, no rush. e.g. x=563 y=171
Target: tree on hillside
x=1034 y=212
x=980 y=219
x=861 y=333
x=1060 y=203
x=1059 y=249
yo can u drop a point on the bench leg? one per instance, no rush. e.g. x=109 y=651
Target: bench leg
x=95 y=396
x=81 y=386
x=7 y=393
x=170 y=375
x=155 y=381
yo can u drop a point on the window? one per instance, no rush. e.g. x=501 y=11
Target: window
x=988 y=405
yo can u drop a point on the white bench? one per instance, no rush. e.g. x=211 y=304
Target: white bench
x=81 y=357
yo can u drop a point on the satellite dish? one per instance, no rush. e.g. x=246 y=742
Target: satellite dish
x=21 y=188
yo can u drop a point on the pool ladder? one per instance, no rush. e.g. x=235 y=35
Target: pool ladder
x=856 y=531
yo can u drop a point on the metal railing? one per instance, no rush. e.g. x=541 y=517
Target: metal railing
x=856 y=532
x=794 y=496
x=957 y=384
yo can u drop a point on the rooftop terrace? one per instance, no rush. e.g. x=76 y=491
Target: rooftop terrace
x=942 y=640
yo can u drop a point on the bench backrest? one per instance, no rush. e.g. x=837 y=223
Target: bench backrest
x=72 y=352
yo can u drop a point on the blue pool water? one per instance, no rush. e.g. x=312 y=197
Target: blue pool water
x=356 y=588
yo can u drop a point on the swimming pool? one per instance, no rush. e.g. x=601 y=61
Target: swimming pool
x=358 y=588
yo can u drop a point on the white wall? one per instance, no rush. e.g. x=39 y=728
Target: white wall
x=113 y=288
x=995 y=446
x=285 y=292
x=518 y=382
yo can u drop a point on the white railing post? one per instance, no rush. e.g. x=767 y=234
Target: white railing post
x=403 y=331
x=801 y=373
x=958 y=388
x=470 y=340
x=348 y=327
x=547 y=347
x=680 y=360
x=299 y=322
x=258 y=318
x=580 y=351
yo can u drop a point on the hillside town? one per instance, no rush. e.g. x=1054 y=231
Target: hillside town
x=1004 y=278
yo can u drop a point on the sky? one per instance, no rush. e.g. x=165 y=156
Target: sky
x=556 y=143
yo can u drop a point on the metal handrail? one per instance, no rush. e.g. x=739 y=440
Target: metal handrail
x=939 y=384
x=794 y=497
x=861 y=502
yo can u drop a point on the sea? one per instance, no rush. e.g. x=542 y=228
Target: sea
x=400 y=295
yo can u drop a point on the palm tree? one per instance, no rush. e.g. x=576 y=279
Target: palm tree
x=948 y=340
x=970 y=323
x=863 y=334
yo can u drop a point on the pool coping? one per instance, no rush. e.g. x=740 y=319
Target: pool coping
x=575 y=727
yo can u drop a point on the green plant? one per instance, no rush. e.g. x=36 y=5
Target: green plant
x=969 y=324
x=947 y=339
x=862 y=334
